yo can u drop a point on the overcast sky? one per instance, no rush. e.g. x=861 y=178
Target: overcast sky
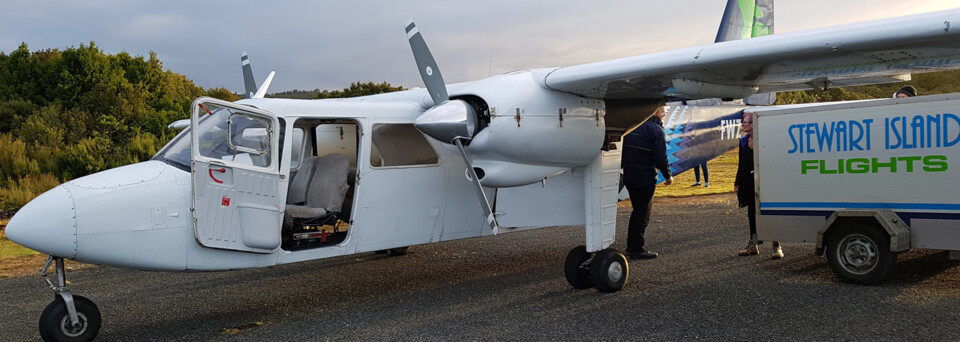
x=329 y=44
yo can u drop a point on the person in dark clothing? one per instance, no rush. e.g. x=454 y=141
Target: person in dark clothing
x=906 y=91
x=644 y=152
x=743 y=186
x=706 y=175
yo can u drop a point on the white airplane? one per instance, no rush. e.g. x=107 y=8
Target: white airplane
x=263 y=182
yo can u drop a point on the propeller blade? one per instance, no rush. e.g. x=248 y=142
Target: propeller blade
x=487 y=211
x=249 y=83
x=429 y=71
x=263 y=87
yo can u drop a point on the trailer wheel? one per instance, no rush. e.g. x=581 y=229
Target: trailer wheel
x=609 y=270
x=860 y=254
x=576 y=268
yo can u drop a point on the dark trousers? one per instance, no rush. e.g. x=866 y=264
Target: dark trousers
x=706 y=174
x=641 y=198
x=752 y=217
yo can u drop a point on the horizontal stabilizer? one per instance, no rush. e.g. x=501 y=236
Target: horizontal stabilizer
x=263 y=87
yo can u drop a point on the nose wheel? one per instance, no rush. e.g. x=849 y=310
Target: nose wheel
x=607 y=270
x=68 y=317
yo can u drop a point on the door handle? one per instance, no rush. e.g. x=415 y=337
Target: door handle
x=222 y=170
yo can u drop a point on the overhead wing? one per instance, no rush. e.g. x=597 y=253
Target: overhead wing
x=861 y=53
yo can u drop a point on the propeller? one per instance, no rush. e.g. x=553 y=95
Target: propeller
x=450 y=121
x=249 y=83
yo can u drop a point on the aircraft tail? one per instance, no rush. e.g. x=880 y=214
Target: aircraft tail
x=744 y=19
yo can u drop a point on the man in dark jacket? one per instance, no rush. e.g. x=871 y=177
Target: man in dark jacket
x=644 y=152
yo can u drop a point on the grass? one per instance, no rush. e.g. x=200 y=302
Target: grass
x=17 y=260
x=723 y=170
x=8 y=248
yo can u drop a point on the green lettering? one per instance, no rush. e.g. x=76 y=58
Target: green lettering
x=824 y=170
x=858 y=165
x=877 y=165
x=909 y=161
x=935 y=163
x=808 y=165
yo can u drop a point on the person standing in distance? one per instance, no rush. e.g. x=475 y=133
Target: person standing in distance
x=706 y=175
x=644 y=152
x=906 y=91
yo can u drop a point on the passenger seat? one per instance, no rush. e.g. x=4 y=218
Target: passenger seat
x=325 y=192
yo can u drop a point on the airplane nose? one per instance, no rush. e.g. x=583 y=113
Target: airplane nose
x=47 y=224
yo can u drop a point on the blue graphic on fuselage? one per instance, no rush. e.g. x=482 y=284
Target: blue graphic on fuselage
x=698 y=132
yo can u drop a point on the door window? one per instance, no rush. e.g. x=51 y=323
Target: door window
x=235 y=136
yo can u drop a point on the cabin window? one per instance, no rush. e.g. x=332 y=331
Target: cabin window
x=296 y=147
x=400 y=145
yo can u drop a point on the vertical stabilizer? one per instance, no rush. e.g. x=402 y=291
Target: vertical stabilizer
x=249 y=84
x=744 y=19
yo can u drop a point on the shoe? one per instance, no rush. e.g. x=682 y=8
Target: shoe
x=696 y=184
x=777 y=252
x=642 y=255
x=751 y=249
x=706 y=185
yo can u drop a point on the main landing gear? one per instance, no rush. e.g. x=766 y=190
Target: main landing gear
x=68 y=317
x=607 y=270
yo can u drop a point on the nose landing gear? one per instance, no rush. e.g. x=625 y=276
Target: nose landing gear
x=607 y=270
x=68 y=317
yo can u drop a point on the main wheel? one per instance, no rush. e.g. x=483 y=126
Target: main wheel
x=576 y=269
x=609 y=270
x=860 y=254
x=394 y=251
x=55 y=322
x=397 y=251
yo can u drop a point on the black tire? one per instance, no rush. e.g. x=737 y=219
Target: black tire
x=576 y=270
x=860 y=254
x=609 y=270
x=55 y=321
x=396 y=251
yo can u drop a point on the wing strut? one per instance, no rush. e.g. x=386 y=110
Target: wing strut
x=484 y=204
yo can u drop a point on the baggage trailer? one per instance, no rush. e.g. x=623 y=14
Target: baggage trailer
x=862 y=180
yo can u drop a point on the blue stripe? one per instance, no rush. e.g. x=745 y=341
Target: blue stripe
x=907 y=217
x=853 y=205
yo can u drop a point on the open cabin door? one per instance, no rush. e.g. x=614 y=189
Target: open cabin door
x=236 y=177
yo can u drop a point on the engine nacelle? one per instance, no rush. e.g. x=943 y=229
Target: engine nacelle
x=517 y=131
x=531 y=132
x=511 y=154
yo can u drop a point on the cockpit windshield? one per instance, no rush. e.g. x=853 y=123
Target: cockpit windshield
x=225 y=134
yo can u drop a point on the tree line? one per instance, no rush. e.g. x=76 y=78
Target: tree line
x=69 y=113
